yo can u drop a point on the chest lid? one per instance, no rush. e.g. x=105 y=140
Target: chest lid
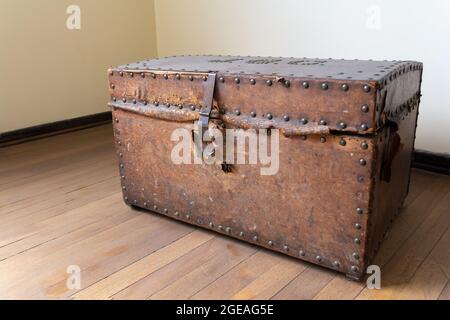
x=346 y=95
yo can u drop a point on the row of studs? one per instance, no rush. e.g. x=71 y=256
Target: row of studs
x=237 y=80
x=229 y=231
x=392 y=75
x=342 y=125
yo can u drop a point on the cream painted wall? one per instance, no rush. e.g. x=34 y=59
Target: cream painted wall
x=49 y=73
x=407 y=29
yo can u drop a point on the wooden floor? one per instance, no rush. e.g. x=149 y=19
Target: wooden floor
x=61 y=205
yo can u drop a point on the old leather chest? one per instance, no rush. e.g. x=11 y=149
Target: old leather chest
x=342 y=133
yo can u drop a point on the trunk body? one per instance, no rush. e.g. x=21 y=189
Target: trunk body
x=346 y=136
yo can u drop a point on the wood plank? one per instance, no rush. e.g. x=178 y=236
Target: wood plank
x=445 y=294
x=45 y=230
x=306 y=285
x=126 y=277
x=232 y=253
x=271 y=281
x=33 y=152
x=340 y=288
x=401 y=268
x=97 y=256
x=22 y=222
x=238 y=277
x=432 y=276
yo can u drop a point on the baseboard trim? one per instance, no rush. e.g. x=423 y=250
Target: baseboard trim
x=53 y=128
x=430 y=161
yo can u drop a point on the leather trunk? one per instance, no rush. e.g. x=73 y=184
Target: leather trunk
x=346 y=137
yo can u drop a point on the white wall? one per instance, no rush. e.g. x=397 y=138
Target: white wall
x=50 y=73
x=407 y=29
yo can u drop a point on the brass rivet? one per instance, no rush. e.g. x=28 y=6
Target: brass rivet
x=191 y=78
x=178 y=77
x=270 y=243
x=355 y=255
x=124 y=100
x=211 y=225
x=344 y=87
x=114 y=99
x=166 y=76
x=362 y=162
x=359 y=211
x=131 y=76
x=176 y=213
x=286 y=248
x=286 y=118
x=287 y=83
x=342 y=142
x=301 y=253
x=255 y=238
x=113 y=86
x=142 y=75
x=357 y=241
x=342 y=125
x=269 y=116
x=358 y=226
x=155 y=207
x=303 y=137
x=323 y=139
x=364 y=127
x=237 y=112
x=303 y=121
x=324 y=86
x=241 y=234
x=366 y=88
x=205 y=78
x=166 y=210
x=237 y=80
x=121 y=73
x=253 y=114
x=188 y=216
x=305 y=84
x=365 y=108
x=220 y=228
x=222 y=79
x=364 y=145
x=228 y=230
x=319 y=258
x=153 y=75
x=134 y=101
x=322 y=122
x=252 y=81
x=336 y=264
x=269 y=82
x=355 y=269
